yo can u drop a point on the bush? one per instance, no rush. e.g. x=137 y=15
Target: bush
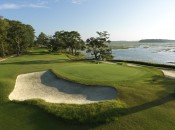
x=77 y=53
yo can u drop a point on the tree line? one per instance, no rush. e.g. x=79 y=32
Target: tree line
x=71 y=42
x=62 y=41
x=17 y=37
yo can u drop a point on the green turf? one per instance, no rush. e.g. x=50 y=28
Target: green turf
x=146 y=92
x=104 y=73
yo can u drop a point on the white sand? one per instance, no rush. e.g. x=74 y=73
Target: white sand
x=132 y=65
x=45 y=85
x=2 y=60
x=169 y=73
x=107 y=62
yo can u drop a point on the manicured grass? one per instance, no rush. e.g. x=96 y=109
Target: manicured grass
x=89 y=73
x=132 y=83
x=146 y=92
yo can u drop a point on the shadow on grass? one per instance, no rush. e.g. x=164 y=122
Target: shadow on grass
x=23 y=116
x=43 y=53
x=36 y=62
x=38 y=53
x=149 y=105
x=168 y=89
x=43 y=62
x=168 y=84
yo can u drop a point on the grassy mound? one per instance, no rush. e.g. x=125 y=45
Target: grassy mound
x=101 y=112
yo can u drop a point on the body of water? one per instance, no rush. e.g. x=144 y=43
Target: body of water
x=162 y=53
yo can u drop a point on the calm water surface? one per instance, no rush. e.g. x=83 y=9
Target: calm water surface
x=162 y=53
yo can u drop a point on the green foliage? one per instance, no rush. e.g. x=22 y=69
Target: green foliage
x=20 y=36
x=98 y=47
x=15 y=37
x=4 y=46
x=66 y=41
x=77 y=53
x=42 y=40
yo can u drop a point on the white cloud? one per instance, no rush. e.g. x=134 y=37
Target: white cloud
x=9 y=6
x=77 y=1
x=38 y=4
x=33 y=4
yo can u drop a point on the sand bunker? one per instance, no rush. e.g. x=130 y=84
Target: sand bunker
x=2 y=60
x=132 y=65
x=169 y=73
x=45 y=85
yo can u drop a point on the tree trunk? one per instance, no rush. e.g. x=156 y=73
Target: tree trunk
x=3 y=51
x=96 y=57
x=75 y=50
x=69 y=50
x=72 y=51
x=18 y=49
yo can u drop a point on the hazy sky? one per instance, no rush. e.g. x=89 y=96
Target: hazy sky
x=123 y=19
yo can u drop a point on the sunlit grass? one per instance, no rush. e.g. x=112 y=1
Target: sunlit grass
x=145 y=91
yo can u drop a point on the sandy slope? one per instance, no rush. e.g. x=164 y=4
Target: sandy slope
x=45 y=85
x=2 y=60
x=132 y=65
x=169 y=73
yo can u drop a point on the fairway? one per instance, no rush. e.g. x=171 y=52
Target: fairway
x=145 y=91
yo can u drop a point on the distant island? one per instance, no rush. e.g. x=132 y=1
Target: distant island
x=156 y=40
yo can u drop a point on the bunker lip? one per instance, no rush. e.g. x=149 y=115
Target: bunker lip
x=169 y=73
x=47 y=86
x=133 y=65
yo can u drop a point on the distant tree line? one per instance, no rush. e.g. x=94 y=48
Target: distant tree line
x=156 y=41
x=71 y=42
x=15 y=37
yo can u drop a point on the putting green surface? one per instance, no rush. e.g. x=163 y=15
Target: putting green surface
x=104 y=72
x=145 y=91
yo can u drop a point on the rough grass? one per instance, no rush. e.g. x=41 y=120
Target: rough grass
x=148 y=97
x=102 y=112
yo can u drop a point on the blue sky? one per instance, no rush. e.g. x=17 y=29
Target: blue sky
x=123 y=19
